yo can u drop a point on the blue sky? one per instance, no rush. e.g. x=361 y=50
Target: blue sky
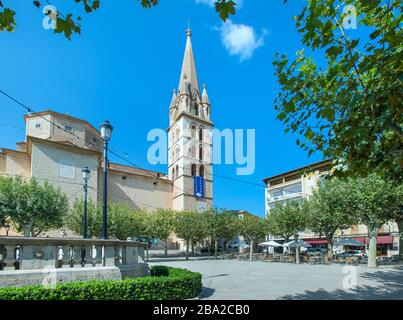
x=125 y=64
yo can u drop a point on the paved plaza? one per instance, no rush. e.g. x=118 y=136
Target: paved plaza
x=230 y=279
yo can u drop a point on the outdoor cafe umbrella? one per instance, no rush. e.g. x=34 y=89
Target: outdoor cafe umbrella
x=270 y=244
x=348 y=242
x=301 y=243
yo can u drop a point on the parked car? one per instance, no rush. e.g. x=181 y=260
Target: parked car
x=355 y=253
x=351 y=253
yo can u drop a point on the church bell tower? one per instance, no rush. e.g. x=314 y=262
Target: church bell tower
x=190 y=140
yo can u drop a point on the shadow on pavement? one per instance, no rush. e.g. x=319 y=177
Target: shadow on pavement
x=388 y=285
x=216 y=276
x=206 y=292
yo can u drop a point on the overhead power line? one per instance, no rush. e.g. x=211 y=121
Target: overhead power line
x=30 y=110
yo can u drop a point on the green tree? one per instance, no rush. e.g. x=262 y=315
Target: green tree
x=221 y=225
x=163 y=225
x=31 y=207
x=68 y=24
x=348 y=106
x=377 y=202
x=331 y=208
x=190 y=226
x=123 y=222
x=252 y=228
x=288 y=219
x=74 y=220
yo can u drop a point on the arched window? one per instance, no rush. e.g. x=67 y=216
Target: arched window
x=201 y=171
x=177 y=171
x=193 y=170
x=193 y=131
x=173 y=174
x=201 y=131
x=193 y=152
x=201 y=153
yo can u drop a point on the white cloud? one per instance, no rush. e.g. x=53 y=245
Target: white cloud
x=240 y=39
x=211 y=3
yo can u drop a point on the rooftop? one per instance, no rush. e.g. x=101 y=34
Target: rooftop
x=300 y=170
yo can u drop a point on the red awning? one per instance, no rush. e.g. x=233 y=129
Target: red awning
x=379 y=240
x=317 y=241
x=361 y=239
x=384 y=240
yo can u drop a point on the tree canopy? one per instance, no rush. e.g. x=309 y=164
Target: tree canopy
x=348 y=107
x=123 y=222
x=32 y=208
x=331 y=208
x=287 y=219
x=69 y=23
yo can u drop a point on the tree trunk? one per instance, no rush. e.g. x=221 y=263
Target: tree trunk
x=166 y=248
x=296 y=249
x=187 y=249
x=286 y=239
x=251 y=251
x=147 y=252
x=329 y=247
x=373 y=234
x=216 y=248
x=193 y=247
x=400 y=226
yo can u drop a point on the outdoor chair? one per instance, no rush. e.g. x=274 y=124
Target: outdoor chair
x=352 y=260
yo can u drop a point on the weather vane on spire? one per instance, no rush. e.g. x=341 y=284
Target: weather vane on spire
x=188 y=30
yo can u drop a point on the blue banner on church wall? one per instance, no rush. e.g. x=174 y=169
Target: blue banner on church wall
x=199 y=187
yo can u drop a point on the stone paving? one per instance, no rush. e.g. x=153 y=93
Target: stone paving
x=230 y=279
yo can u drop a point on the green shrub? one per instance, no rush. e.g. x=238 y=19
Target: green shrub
x=159 y=271
x=177 y=284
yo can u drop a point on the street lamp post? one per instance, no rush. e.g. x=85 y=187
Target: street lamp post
x=7 y=227
x=106 y=132
x=86 y=176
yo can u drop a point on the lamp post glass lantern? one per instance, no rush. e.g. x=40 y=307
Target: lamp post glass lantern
x=86 y=176
x=7 y=227
x=106 y=132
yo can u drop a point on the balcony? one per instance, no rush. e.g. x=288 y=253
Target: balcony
x=284 y=197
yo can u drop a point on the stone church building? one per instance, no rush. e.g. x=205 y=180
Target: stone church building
x=58 y=146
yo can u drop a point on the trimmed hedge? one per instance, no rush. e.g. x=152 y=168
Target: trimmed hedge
x=170 y=284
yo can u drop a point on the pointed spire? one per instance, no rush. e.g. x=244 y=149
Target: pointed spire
x=205 y=98
x=188 y=67
x=173 y=101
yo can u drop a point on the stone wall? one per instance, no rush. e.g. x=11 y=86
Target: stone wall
x=46 y=166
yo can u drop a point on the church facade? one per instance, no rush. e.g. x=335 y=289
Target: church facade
x=57 y=146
